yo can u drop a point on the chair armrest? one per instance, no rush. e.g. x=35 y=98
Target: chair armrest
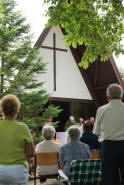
x=62 y=176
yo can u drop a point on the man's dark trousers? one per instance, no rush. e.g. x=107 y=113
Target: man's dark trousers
x=112 y=158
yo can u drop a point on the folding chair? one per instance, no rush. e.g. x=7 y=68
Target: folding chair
x=83 y=172
x=95 y=154
x=46 y=159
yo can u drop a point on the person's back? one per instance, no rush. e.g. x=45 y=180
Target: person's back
x=109 y=125
x=89 y=137
x=111 y=118
x=16 y=144
x=13 y=136
x=74 y=150
x=91 y=140
x=47 y=146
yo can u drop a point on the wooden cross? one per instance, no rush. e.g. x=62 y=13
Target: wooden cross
x=54 y=56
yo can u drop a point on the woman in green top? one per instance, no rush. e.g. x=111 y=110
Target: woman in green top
x=16 y=144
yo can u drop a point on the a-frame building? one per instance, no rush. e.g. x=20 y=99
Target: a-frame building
x=79 y=92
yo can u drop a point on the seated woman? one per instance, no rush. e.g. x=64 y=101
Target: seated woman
x=88 y=137
x=74 y=150
x=16 y=144
x=47 y=146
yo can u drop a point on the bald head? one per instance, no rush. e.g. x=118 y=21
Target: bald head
x=114 y=91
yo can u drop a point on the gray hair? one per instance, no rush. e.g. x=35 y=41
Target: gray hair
x=74 y=133
x=71 y=117
x=48 y=132
x=114 y=91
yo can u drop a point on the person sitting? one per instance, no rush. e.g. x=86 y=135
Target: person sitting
x=74 y=150
x=32 y=133
x=92 y=119
x=16 y=144
x=70 y=122
x=80 y=124
x=88 y=137
x=47 y=146
x=49 y=123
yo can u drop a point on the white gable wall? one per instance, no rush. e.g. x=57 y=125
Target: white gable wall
x=69 y=81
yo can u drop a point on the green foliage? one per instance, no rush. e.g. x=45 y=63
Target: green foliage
x=20 y=66
x=98 y=24
x=1 y=9
x=121 y=71
x=51 y=112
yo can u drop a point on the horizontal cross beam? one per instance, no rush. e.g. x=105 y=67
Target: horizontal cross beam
x=58 y=49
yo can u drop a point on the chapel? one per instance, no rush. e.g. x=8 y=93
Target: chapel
x=77 y=91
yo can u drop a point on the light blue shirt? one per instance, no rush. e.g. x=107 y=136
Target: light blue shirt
x=75 y=150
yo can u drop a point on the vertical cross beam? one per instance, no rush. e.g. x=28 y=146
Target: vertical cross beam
x=54 y=59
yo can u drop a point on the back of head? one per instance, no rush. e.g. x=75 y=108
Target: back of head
x=88 y=125
x=10 y=105
x=114 y=91
x=74 y=133
x=48 y=132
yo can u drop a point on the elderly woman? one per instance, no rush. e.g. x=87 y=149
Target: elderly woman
x=15 y=144
x=74 y=150
x=47 y=146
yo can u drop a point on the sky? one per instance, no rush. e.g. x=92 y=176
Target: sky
x=34 y=11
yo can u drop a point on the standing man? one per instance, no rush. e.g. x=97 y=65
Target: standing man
x=70 y=122
x=109 y=125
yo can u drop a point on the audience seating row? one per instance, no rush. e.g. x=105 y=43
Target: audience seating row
x=83 y=171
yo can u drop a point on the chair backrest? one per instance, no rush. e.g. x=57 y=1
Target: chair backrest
x=47 y=159
x=95 y=154
x=85 y=172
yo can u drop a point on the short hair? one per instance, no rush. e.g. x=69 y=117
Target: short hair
x=71 y=117
x=88 y=125
x=48 y=132
x=74 y=133
x=10 y=105
x=114 y=91
x=81 y=119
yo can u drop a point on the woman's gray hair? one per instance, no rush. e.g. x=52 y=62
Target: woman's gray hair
x=48 y=132
x=114 y=91
x=74 y=133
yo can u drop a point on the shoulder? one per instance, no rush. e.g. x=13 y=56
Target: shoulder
x=39 y=145
x=83 y=145
x=20 y=124
x=55 y=144
x=64 y=147
x=103 y=107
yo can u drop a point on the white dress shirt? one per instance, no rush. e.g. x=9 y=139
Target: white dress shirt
x=109 y=122
x=47 y=146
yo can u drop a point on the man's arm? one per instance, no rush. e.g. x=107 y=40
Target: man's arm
x=97 y=126
x=66 y=125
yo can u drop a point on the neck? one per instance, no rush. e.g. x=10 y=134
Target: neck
x=9 y=118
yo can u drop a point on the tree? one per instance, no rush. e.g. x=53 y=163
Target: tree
x=98 y=24
x=121 y=71
x=19 y=66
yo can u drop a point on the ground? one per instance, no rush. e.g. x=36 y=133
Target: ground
x=32 y=182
